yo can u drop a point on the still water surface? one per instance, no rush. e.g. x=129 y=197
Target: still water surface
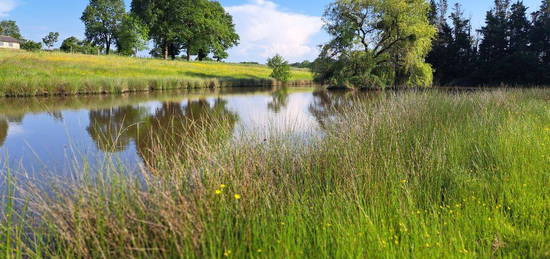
x=52 y=134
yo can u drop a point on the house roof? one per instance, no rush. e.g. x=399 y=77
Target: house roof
x=9 y=39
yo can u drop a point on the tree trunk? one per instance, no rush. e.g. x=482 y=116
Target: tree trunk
x=107 y=46
x=166 y=50
x=188 y=54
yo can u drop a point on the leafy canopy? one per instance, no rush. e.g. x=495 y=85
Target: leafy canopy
x=376 y=43
x=281 y=68
x=102 y=19
x=10 y=28
x=200 y=27
x=51 y=39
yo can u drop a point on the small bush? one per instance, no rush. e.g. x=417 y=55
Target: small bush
x=281 y=69
x=31 y=45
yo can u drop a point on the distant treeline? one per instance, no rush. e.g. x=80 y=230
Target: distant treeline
x=512 y=47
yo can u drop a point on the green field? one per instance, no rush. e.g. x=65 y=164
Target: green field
x=403 y=175
x=45 y=73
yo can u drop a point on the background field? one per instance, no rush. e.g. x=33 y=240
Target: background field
x=41 y=73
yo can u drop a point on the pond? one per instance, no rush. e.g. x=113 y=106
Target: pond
x=57 y=134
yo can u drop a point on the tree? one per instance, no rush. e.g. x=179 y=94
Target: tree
x=540 y=41
x=461 y=49
x=439 y=55
x=281 y=69
x=70 y=45
x=495 y=34
x=377 y=43
x=540 y=36
x=163 y=20
x=10 y=28
x=74 y=45
x=51 y=39
x=132 y=36
x=102 y=19
x=220 y=34
x=519 y=28
x=200 y=27
x=30 y=45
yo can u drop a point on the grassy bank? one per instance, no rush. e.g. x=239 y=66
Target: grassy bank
x=407 y=174
x=44 y=73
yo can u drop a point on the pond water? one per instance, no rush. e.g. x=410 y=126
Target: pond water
x=56 y=133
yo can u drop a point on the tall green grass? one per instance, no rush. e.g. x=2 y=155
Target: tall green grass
x=407 y=174
x=46 y=73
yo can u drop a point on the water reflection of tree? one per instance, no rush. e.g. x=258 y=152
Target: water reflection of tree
x=4 y=127
x=161 y=135
x=279 y=99
x=112 y=129
x=328 y=105
x=174 y=126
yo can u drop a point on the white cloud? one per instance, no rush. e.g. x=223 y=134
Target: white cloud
x=6 y=6
x=265 y=31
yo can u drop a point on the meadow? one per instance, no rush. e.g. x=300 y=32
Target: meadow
x=54 y=73
x=406 y=174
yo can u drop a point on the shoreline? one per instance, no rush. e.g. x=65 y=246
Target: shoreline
x=152 y=86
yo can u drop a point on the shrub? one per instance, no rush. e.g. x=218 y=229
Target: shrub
x=31 y=45
x=281 y=69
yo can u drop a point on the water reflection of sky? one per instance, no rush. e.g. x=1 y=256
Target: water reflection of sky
x=58 y=139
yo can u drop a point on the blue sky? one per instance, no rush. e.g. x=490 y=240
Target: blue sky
x=289 y=27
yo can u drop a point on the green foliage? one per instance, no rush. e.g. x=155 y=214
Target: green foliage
x=102 y=19
x=281 y=69
x=394 y=36
x=131 y=37
x=512 y=49
x=51 y=39
x=199 y=27
x=303 y=64
x=74 y=45
x=10 y=28
x=30 y=45
x=454 y=48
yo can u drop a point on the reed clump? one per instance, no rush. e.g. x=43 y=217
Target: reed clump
x=407 y=174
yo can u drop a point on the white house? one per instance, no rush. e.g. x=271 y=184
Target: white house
x=7 y=42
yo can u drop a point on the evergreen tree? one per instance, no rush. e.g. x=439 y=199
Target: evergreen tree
x=540 y=41
x=495 y=33
x=519 y=28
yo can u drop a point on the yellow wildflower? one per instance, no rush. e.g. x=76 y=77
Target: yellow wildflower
x=237 y=196
x=218 y=192
x=223 y=186
x=227 y=253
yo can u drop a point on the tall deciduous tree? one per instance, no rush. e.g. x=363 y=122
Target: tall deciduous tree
x=219 y=34
x=10 y=28
x=199 y=27
x=102 y=19
x=51 y=39
x=164 y=19
x=377 y=43
x=131 y=37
